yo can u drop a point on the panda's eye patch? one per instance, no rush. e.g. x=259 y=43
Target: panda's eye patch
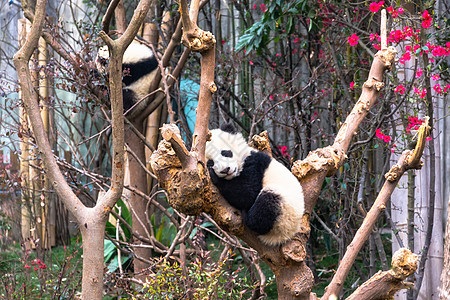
x=210 y=163
x=226 y=153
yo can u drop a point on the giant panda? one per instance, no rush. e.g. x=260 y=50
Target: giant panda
x=139 y=68
x=267 y=193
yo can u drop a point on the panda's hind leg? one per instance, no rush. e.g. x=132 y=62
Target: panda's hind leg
x=262 y=215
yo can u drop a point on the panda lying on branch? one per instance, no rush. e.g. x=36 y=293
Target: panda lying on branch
x=267 y=193
x=139 y=68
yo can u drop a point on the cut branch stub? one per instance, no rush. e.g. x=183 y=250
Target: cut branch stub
x=261 y=143
x=384 y=285
x=198 y=40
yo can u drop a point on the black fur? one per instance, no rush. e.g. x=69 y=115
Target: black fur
x=259 y=212
x=129 y=98
x=134 y=71
x=228 y=127
x=263 y=214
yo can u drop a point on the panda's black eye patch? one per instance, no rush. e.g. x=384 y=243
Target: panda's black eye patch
x=226 y=153
x=210 y=163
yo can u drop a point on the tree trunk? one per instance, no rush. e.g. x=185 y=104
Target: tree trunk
x=92 y=232
x=138 y=180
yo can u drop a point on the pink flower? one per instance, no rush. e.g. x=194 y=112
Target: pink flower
x=399 y=89
x=251 y=62
x=374 y=7
x=263 y=7
x=404 y=58
x=429 y=138
x=447 y=88
x=393 y=148
x=296 y=40
x=435 y=77
x=373 y=36
x=352 y=85
x=378 y=133
x=419 y=73
x=437 y=88
x=254 y=6
x=387 y=138
x=353 y=39
x=426 y=19
x=390 y=9
x=400 y=10
x=271 y=97
x=423 y=93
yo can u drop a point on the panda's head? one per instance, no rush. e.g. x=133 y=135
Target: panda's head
x=226 y=152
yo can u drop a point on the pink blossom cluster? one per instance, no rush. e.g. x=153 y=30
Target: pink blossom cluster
x=283 y=150
x=263 y=7
x=421 y=92
x=375 y=6
x=381 y=136
x=427 y=20
x=353 y=39
x=414 y=123
x=395 y=13
x=36 y=264
x=400 y=89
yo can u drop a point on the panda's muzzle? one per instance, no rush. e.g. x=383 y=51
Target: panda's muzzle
x=225 y=171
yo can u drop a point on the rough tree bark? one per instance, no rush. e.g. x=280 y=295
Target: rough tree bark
x=91 y=221
x=183 y=174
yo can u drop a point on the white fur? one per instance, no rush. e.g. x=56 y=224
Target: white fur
x=133 y=54
x=280 y=181
x=221 y=140
x=277 y=178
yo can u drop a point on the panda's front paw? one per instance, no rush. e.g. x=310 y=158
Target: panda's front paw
x=214 y=177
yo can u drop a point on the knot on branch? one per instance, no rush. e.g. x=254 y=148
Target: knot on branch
x=387 y=56
x=199 y=40
x=404 y=263
x=180 y=173
x=295 y=249
x=213 y=88
x=328 y=158
x=374 y=83
x=261 y=143
x=394 y=173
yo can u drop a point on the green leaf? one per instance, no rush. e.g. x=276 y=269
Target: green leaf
x=109 y=251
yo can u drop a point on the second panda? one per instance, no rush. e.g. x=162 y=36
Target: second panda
x=139 y=68
x=267 y=193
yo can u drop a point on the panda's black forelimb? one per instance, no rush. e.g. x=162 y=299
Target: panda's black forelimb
x=262 y=215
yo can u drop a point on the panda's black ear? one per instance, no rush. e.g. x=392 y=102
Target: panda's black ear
x=228 y=127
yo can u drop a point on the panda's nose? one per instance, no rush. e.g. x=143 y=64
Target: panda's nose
x=225 y=171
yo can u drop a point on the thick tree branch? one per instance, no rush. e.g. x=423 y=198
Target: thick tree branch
x=30 y=99
x=408 y=160
x=384 y=285
x=116 y=50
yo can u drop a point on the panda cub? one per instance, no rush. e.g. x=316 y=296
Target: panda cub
x=139 y=68
x=267 y=193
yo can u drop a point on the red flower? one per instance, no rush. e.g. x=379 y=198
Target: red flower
x=352 y=85
x=374 y=7
x=353 y=39
x=263 y=7
x=437 y=88
x=426 y=19
x=399 y=89
x=405 y=57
